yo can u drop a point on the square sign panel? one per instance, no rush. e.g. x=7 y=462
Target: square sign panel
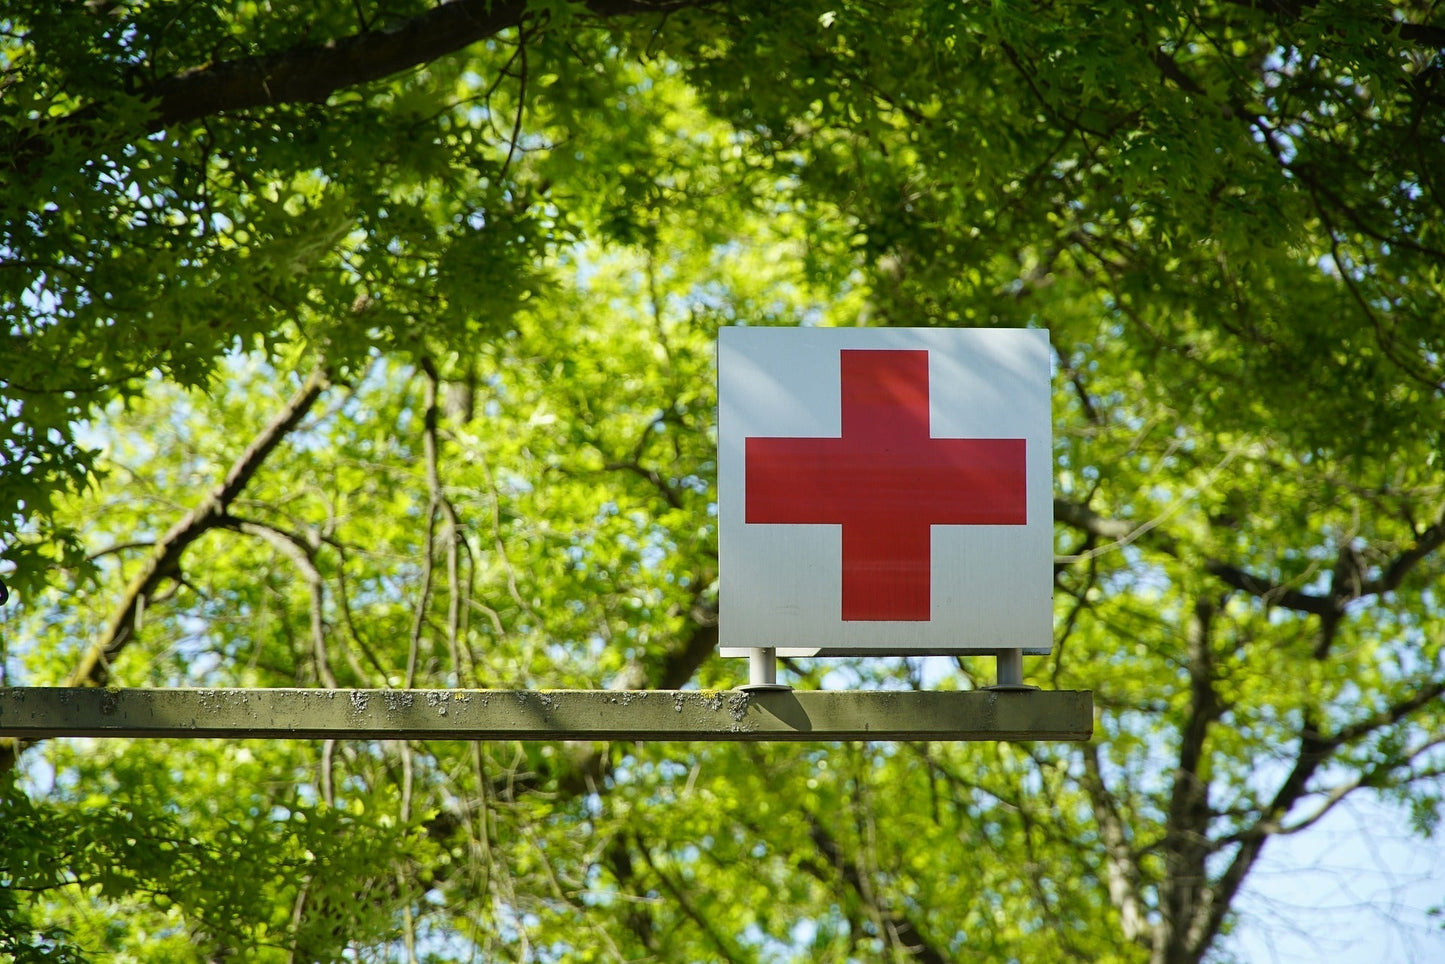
x=884 y=490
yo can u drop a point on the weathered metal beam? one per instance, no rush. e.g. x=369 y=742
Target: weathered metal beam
x=33 y=713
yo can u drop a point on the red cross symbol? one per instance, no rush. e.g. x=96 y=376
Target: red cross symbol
x=886 y=481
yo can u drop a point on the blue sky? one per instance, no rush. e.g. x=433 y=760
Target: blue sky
x=1356 y=888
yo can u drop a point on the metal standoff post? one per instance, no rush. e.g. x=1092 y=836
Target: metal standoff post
x=1011 y=671
x=763 y=671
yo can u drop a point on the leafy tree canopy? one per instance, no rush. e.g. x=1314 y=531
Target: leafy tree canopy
x=371 y=344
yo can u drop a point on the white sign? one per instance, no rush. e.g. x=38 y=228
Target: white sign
x=884 y=490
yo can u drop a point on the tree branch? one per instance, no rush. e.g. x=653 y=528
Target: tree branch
x=652 y=476
x=312 y=73
x=680 y=895
x=589 y=762
x=1287 y=11
x=1123 y=533
x=1184 y=890
x=164 y=563
x=1315 y=749
x=303 y=555
x=1426 y=543
x=902 y=930
x=1123 y=869
x=93 y=669
x=1380 y=775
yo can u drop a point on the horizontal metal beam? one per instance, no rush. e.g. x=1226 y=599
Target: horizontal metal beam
x=33 y=713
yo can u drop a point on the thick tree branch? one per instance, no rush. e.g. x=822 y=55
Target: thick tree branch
x=1395 y=573
x=1195 y=910
x=1315 y=750
x=1312 y=754
x=1183 y=892
x=1122 y=533
x=1390 y=715
x=1286 y=12
x=652 y=476
x=93 y=669
x=1123 y=868
x=1385 y=774
x=312 y=73
x=1272 y=594
x=164 y=563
